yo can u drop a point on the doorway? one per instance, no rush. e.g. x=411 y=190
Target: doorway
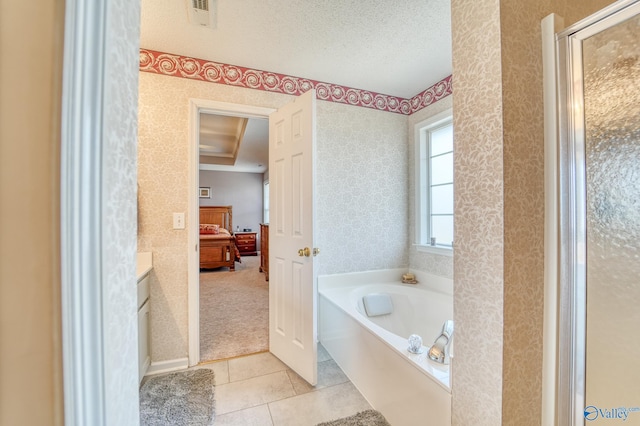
x=226 y=194
x=234 y=293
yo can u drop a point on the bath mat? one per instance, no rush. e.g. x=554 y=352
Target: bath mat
x=364 y=418
x=184 y=398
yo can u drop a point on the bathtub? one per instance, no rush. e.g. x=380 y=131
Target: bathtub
x=406 y=388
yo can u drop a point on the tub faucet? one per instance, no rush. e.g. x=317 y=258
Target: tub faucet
x=439 y=351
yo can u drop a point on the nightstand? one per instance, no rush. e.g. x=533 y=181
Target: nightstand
x=246 y=243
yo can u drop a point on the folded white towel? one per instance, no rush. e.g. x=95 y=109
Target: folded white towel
x=377 y=304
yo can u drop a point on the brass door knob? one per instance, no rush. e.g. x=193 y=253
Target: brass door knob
x=304 y=252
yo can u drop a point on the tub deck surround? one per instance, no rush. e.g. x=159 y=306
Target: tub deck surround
x=403 y=386
x=425 y=280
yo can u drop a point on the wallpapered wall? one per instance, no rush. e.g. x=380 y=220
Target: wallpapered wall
x=362 y=193
x=499 y=207
x=361 y=177
x=119 y=214
x=478 y=209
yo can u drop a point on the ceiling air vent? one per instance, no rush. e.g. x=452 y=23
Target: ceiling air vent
x=202 y=12
x=201 y=4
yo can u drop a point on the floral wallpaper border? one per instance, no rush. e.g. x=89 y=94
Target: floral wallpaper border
x=198 y=69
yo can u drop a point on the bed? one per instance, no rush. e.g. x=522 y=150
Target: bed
x=217 y=243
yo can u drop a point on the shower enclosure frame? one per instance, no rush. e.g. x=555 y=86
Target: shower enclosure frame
x=571 y=344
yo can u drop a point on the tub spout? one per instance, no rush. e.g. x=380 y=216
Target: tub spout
x=440 y=349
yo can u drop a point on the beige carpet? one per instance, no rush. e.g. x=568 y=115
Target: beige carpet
x=234 y=311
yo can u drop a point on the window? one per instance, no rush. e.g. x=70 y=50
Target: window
x=434 y=185
x=265 y=202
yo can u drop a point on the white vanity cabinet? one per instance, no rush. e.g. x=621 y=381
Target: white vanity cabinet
x=144 y=356
x=144 y=335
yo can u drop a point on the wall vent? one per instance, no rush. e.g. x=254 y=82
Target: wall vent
x=201 y=5
x=202 y=12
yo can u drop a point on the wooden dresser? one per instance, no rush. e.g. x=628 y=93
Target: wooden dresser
x=264 y=250
x=246 y=243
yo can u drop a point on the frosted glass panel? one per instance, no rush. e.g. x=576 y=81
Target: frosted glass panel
x=442 y=140
x=442 y=169
x=442 y=199
x=612 y=135
x=442 y=229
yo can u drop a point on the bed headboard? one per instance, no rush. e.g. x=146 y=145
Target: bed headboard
x=217 y=215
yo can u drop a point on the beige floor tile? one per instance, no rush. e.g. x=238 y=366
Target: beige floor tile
x=253 y=366
x=220 y=371
x=255 y=416
x=322 y=405
x=236 y=396
x=329 y=374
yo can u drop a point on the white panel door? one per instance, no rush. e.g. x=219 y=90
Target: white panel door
x=292 y=281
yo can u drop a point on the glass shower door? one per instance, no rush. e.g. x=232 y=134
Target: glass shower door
x=611 y=61
x=600 y=219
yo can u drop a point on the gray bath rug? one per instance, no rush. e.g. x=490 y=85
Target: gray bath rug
x=364 y=418
x=184 y=398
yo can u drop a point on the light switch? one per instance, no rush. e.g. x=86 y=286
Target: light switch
x=178 y=221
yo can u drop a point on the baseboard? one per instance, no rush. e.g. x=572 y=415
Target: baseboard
x=167 y=366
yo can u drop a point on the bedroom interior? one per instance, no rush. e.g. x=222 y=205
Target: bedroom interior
x=233 y=293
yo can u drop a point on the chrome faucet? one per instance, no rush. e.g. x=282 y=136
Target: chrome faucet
x=439 y=351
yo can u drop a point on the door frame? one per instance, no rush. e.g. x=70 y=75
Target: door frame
x=84 y=355
x=196 y=106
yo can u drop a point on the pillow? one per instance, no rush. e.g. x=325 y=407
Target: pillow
x=208 y=228
x=224 y=231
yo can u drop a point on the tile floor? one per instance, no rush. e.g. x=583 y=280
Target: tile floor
x=260 y=390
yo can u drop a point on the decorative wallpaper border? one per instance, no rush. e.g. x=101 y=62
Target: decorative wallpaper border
x=198 y=69
x=440 y=90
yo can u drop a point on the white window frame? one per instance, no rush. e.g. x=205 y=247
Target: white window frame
x=422 y=183
x=265 y=201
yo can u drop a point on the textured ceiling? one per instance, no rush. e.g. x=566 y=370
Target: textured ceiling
x=385 y=46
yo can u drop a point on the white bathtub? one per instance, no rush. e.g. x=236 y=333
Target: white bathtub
x=406 y=388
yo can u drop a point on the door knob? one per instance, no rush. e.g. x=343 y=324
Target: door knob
x=316 y=251
x=304 y=252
